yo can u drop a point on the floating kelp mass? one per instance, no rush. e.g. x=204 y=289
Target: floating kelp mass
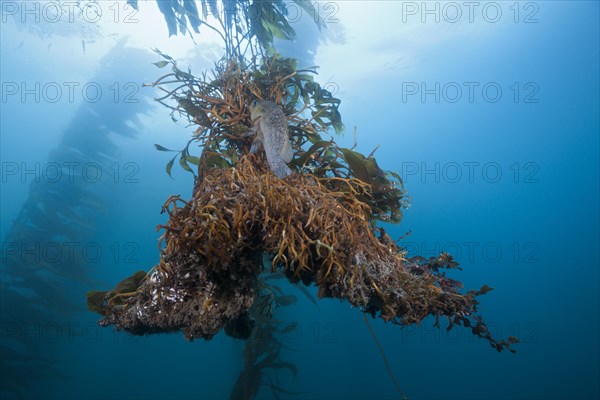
x=316 y=226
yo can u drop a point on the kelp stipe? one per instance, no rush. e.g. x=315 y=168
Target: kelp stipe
x=38 y=291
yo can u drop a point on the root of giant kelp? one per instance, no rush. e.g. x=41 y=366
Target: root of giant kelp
x=213 y=252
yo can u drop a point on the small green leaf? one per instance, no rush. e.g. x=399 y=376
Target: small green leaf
x=161 y=148
x=214 y=159
x=312 y=150
x=161 y=64
x=131 y=283
x=170 y=166
x=184 y=164
x=484 y=289
x=163 y=55
x=96 y=301
x=357 y=163
x=192 y=159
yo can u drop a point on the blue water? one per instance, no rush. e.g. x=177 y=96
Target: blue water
x=505 y=181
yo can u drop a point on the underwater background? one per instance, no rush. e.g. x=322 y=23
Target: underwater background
x=489 y=114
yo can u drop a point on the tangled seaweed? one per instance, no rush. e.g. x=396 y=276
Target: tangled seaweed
x=317 y=226
x=208 y=274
